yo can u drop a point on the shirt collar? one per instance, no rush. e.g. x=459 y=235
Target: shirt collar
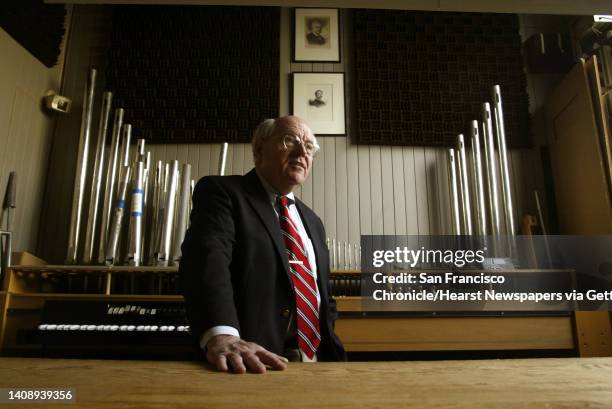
x=272 y=193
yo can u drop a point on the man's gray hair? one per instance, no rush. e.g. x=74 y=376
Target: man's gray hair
x=263 y=132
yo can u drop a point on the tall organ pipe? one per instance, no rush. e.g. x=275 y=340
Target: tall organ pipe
x=81 y=169
x=96 y=184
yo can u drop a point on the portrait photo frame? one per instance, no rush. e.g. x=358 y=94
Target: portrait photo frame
x=318 y=98
x=316 y=35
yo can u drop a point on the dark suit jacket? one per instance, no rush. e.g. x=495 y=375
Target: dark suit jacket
x=315 y=39
x=234 y=268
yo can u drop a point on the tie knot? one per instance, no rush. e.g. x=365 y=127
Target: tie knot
x=284 y=201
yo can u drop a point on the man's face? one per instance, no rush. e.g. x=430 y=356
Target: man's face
x=316 y=27
x=318 y=94
x=285 y=169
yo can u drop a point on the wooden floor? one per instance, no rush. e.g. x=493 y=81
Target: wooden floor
x=534 y=383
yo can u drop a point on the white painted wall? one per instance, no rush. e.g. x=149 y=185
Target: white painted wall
x=26 y=132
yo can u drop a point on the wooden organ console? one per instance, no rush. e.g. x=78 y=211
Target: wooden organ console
x=131 y=311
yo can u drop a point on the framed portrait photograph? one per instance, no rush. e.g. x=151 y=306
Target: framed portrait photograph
x=316 y=35
x=318 y=98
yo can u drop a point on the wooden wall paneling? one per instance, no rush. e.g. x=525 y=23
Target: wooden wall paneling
x=193 y=159
x=318 y=186
x=420 y=174
x=330 y=186
x=412 y=216
x=341 y=206
x=155 y=152
x=307 y=187
x=365 y=203
x=443 y=191
x=399 y=194
x=237 y=159
x=248 y=158
x=376 y=191
x=354 y=217
x=203 y=160
x=432 y=191
x=162 y=152
x=215 y=157
x=388 y=205
x=181 y=155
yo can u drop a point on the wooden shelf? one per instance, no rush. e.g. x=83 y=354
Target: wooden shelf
x=93 y=269
x=113 y=297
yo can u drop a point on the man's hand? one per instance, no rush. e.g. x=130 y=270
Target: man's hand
x=241 y=355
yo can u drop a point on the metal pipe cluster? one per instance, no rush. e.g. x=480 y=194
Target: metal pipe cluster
x=478 y=206
x=136 y=215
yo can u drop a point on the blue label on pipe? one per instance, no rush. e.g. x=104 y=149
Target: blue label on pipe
x=120 y=204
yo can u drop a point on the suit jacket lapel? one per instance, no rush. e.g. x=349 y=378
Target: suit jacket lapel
x=258 y=198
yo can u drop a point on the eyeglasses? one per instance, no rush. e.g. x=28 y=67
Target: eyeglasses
x=290 y=142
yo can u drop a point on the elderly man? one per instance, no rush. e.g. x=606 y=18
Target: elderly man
x=255 y=266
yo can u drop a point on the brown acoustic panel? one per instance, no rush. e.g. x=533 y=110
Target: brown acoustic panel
x=421 y=77
x=195 y=74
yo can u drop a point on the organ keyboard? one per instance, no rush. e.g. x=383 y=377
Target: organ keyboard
x=93 y=324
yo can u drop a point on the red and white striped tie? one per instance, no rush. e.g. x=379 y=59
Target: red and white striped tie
x=304 y=284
